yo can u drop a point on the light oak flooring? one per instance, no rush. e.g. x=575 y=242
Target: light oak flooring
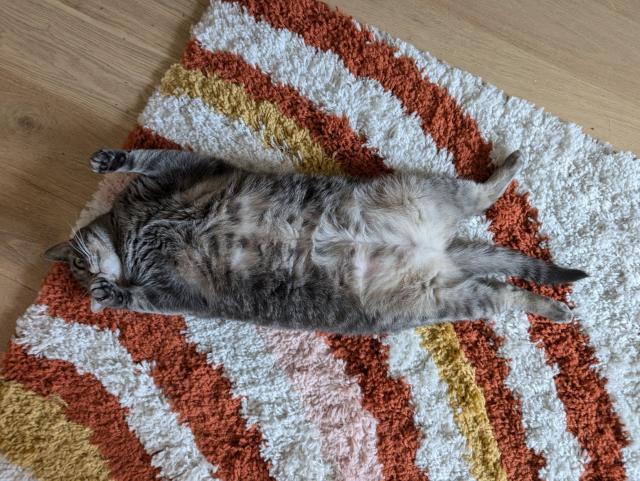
x=75 y=73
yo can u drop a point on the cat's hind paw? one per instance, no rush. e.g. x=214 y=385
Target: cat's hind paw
x=108 y=160
x=509 y=167
x=513 y=161
x=557 y=311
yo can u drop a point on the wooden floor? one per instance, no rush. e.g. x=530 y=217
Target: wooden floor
x=75 y=73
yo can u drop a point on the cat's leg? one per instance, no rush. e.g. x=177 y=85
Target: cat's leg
x=502 y=177
x=145 y=162
x=478 y=258
x=482 y=299
x=473 y=198
x=491 y=190
x=471 y=299
x=455 y=198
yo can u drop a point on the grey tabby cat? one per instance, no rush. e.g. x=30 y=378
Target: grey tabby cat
x=196 y=236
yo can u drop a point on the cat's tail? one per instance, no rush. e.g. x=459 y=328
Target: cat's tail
x=476 y=258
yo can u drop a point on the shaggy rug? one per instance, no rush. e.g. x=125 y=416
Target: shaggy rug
x=275 y=84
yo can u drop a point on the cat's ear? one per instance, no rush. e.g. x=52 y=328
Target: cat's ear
x=59 y=252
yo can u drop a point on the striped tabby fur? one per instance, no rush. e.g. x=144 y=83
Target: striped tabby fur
x=193 y=235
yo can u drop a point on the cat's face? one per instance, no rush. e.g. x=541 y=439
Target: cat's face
x=90 y=253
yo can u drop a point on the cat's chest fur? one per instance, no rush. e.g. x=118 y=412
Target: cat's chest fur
x=214 y=232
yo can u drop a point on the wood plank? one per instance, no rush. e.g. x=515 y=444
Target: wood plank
x=74 y=78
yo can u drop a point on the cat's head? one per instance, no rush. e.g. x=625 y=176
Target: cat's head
x=90 y=252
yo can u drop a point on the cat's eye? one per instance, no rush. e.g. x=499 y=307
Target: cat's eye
x=79 y=263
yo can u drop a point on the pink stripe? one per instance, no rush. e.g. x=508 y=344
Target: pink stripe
x=332 y=400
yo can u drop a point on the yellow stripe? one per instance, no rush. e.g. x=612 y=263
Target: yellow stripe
x=466 y=400
x=35 y=434
x=264 y=118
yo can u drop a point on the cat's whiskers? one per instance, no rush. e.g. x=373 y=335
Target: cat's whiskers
x=80 y=246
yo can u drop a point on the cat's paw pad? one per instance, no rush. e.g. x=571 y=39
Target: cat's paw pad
x=107 y=160
x=106 y=293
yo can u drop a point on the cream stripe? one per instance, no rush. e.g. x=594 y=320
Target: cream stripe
x=292 y=443
x=466 y=399
x=264 y=118
x=331 y=399
x=609 y=306
x=170 y=444
x=324 y=79
x=443 y=452
x=13 y=472
x=35 y=434
x=191 y=123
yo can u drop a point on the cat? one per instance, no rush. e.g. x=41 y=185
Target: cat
x=196 y=236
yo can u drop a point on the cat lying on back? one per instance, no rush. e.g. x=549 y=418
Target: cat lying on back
x=196 y=236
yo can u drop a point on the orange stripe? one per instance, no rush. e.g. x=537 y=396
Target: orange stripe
x=86 y=402
x=331 y=132
x=199 y=393
x=590 y=414
x=330 y=30
x=388 y=399
x=143 y=138
x=480 y=346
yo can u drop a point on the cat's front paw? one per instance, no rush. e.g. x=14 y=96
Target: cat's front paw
x=105 y=293
x=108 y=160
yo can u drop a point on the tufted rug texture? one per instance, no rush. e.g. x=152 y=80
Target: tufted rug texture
x=296 y=86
